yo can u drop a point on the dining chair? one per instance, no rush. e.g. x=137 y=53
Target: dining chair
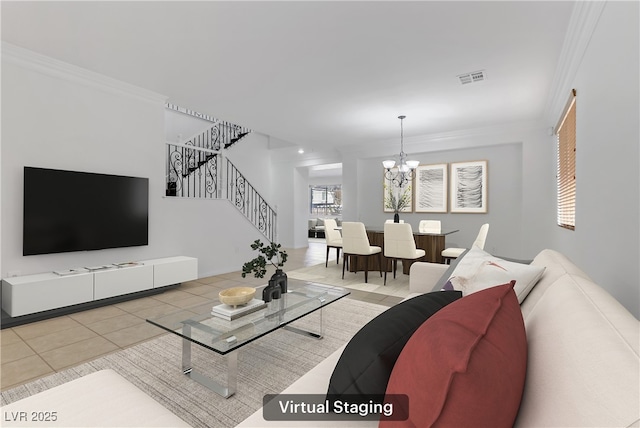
x=333 y=238
x=453 y=253
x=390 y=220
x=399 y=244
x=355 y=242
x=430 y=226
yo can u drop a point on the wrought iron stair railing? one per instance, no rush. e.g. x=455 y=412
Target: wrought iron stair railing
x=221 y=135
x=194 y=172
x=249 y=202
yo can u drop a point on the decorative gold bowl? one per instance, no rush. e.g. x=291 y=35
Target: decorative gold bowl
x=237 y=296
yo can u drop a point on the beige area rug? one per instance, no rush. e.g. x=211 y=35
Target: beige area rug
x=398 y=287
x=265 y=366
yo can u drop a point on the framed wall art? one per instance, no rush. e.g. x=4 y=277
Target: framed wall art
x=431 y=186
x=395 y=198
x=468 y=187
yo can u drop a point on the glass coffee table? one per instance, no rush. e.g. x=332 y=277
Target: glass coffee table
x=197 y=325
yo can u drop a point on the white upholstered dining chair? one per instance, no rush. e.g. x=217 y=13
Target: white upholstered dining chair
x=333 y=238
x=453 y=253
x=399 y=244
x=355 y=242
x=430 y=226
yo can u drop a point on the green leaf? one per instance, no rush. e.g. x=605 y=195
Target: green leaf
x=258 y=266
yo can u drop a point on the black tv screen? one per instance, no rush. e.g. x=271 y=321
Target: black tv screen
x=77 y=211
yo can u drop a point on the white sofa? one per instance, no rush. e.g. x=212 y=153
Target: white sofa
x=583 y=366
x=101 y=399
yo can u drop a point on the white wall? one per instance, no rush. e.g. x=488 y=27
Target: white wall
x=282 y=177
x=517 y=155
x=54 y=118
x=58 y=116
x=211 y=230
x=538 y=190
x=606 y=240
x=300 y=200
x=350 y=198
x=504 y=198
x=179 y=126
x=327 y=179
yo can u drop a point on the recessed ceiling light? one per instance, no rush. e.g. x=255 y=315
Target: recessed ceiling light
x=301 y=151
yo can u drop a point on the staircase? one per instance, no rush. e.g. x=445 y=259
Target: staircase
x=195 y=170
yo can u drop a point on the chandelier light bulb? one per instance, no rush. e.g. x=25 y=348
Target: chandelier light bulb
x=413 y=164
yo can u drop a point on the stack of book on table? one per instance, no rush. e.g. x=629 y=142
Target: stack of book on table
x=230 y=313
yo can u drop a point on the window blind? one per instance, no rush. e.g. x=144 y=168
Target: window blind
x=566 y=172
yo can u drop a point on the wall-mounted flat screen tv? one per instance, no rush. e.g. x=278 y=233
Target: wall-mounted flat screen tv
x=77 y=211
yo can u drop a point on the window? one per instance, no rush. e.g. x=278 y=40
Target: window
x=326 y=200
x=566 y=173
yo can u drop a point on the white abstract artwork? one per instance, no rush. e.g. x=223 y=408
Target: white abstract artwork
x=469 y=187
x=431 y=189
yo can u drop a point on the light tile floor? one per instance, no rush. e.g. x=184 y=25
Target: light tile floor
x=35 y=350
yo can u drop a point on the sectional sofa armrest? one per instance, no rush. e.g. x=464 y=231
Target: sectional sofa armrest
x=100 y=399
x=424 y=276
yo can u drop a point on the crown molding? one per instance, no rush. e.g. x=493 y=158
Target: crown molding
x=583 y=22
x=506 y=133
x=55 y=68
x=481 y=137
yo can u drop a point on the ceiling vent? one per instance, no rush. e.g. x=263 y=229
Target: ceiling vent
x=475 y=76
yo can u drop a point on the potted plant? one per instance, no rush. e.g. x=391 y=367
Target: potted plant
x=273 y=254
x=397 y=201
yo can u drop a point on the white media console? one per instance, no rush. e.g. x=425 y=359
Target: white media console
x=23 y=295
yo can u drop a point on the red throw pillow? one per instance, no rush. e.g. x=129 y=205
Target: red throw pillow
x=466 y=365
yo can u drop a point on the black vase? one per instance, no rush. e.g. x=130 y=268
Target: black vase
x=277 y=286
x=271 y=292
x=280 y=279
x=396 y=218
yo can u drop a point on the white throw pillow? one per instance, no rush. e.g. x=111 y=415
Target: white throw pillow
x=479 y=270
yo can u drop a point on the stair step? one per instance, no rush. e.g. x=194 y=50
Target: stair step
x=234 y=140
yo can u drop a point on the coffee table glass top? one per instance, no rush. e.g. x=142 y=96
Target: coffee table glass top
x=222 y=336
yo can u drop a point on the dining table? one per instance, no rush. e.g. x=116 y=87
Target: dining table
x=431 y=243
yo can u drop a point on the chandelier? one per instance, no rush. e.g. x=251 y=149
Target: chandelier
x=405 y=171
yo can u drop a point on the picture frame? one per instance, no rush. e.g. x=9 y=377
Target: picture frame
x=391 y=192
x=468 y=187
x=431 y=188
